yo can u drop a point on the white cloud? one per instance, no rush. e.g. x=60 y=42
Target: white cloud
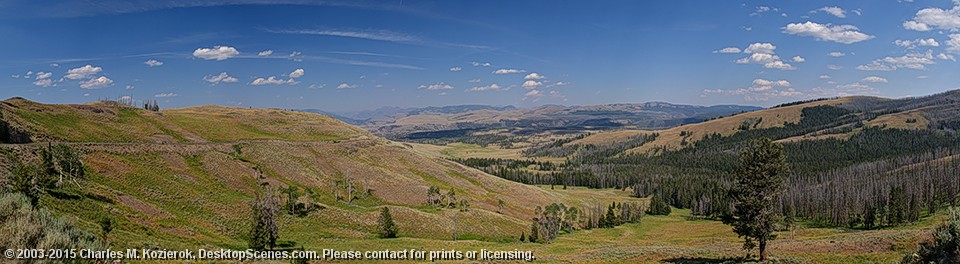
x=835 y=11
x=948 y=57
x=507 y=71
x=728 y=50
x=455 y=69
x=96 y=83
x=928 y=42
x=534 y=76
x=836 y=54
x=765 y=48
x=915 y=61
x=935 y=18
x=222 y=77
x=296 y=73
x=761 y=90
x=824 y=76
x=759 y=58
x=912 y=44
x=780 y=65
x=265 y=53
x=474 y=80
x=922 y=76
x=764 y=9
x=44 y=75
x=436 y=86
x=762 y=82
x=153 y=63
x=533 y=93
x=798 y=59
x=846 y=34
x=874 y=79
x=43 y=82
x=834 y=67
x=346 y=86
x=763 y=54
x=273 y=80
x=129 y=87
x=916 y=26
x=165 y=95
x=530 y=84
x=82 y=72
x=216 y=53
x=842 y=90
x=381 y=35
x=953 y=44
x=480 y=64
x=492 y=87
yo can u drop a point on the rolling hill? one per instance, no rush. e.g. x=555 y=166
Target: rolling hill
x=934 y=112
x=183 y=177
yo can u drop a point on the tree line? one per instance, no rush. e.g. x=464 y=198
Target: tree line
x=876 y=177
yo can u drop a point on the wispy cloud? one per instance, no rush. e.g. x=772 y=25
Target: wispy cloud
x=381 y=35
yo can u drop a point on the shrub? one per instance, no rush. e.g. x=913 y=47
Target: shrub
x=945 y=247
x=23 y=226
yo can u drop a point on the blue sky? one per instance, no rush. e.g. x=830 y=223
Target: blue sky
x=355 y=55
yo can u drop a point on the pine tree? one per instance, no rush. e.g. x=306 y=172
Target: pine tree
x=658 y=206
x=611 y=217
x=386 y=228
x=534 y=231
x=759 y=180
x=523 y=236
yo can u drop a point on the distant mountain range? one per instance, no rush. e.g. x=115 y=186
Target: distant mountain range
x=398 y=123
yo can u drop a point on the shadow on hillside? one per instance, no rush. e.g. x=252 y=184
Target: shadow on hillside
x=64 y=195
x=695 y=260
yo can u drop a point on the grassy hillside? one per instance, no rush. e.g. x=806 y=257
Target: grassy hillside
x=113 y=122
x=184 y=176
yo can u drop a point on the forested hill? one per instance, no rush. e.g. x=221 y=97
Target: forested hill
x=860 y=162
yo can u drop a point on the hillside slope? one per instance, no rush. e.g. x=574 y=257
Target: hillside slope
x=184 y=176
x=934 y=112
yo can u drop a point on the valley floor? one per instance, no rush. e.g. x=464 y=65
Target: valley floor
x=675 y=239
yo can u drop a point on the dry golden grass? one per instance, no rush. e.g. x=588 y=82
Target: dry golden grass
x=899 y=120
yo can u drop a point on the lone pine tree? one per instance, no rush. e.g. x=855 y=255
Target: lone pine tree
x=386 y=228
x=759 y=180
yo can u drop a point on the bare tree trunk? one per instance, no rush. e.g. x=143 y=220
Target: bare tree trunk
x=763 y=249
